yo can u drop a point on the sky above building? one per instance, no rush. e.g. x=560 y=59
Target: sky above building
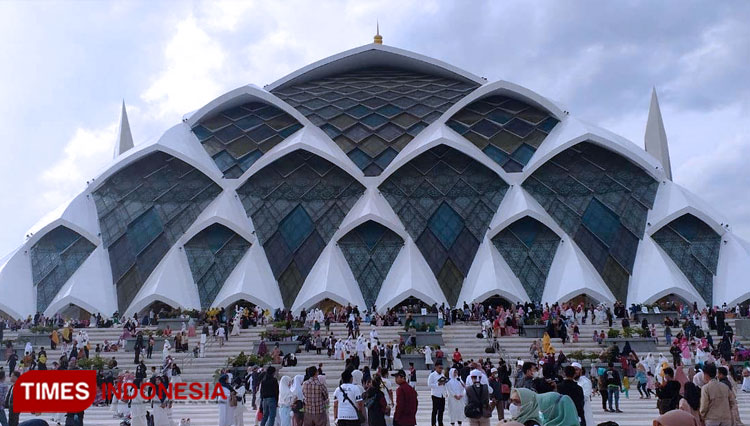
x=67 y=67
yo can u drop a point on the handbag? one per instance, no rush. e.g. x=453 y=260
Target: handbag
x=360 y=415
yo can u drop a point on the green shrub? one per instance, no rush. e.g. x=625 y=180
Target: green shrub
x=95 y=363
x=613 y=333
x=40 y=329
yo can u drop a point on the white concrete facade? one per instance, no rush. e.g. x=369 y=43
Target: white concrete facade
x=654 y=274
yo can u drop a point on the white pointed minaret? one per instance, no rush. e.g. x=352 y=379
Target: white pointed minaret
x=124 y=137
x=656 y=137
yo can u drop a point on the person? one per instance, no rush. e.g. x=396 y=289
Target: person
x=298 y=405
x=588 y=389
x=746 y=377
x=138 y=411
x=347 y=402
x=527 y=381
x=436 y=383
x=456 y=395
x=524 y=407
x=13 y=418
x=676 y=418
x=376 y=404
x=717 y=400
x=614 y=383
x=569 y=387
x=315 y=396
x=405 y=413
x=557 y=410
x=4 y=388
x=478 y=400
x=668 y=392
x=428 y=356
x=286 y=399
x=269 y=396
x=691 y=401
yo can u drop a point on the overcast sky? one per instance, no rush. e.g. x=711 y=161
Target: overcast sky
x=67 y=66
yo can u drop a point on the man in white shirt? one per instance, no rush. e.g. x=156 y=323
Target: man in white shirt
x=436 y=382
x=585 y=384
x=347 y=401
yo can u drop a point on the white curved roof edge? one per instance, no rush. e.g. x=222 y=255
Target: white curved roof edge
x=516 y=205
x=511 y=90
x=373 y=55
x=311 y=139
x=252 y=280
x=225 y=210
x=15 y=278
x=409 y=276
x=172 y=276
x=572 y=274
x=488 y=275
x=90 y=287
x=239 y=96
x=179 y=142
x=655 y=275
x=371 y=206
x=78 y=214
x=330 y=275
x=441 y=134
x=673 y=201
x=553 y=146
x=730 y=283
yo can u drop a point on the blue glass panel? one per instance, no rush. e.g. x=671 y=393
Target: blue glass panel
x=458 y=127
x=370 y=232
x=361 y=159
x=523 y=154
x=446 y=224
x=374 y=120
x=296 y=227
x=144 y=229
x=497 y=155
x=385 y=158
x=601 y=221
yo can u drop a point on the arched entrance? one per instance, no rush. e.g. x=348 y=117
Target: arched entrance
x=240 y=305
x=584 y=298
x=496 y=300
x=327 y=305
x=157 y=306
x=671 y=302
x=412 y=303
x=73 y=311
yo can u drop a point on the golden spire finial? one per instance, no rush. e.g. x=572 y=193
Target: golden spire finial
x=378 y=39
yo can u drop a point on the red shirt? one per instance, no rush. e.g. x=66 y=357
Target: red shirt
x=406 y=406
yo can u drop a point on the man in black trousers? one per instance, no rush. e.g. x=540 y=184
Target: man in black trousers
x=570 y=387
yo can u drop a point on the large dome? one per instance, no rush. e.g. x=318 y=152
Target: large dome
x=371 y=177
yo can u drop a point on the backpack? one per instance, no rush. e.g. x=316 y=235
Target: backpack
x=474 y=408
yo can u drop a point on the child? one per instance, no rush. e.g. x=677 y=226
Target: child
x=412 y=375
x=642 y=381
x=596 y=336
x=576 y=332
x=626 y=386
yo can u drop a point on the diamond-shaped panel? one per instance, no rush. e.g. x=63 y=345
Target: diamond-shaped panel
x=389 y=104
x=298 y=201
x=445 y=219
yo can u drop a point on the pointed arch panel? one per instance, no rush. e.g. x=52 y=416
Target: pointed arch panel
x=601 y=200
x=143 y=210
x=694 y=247
x=446 y=200
x=296 y=204
x=213 y=254
x=528 y=247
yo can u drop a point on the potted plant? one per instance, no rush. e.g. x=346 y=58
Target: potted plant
x=424 y=334
x=634 y=336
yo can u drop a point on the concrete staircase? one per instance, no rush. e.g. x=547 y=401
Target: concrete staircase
x=461 y=335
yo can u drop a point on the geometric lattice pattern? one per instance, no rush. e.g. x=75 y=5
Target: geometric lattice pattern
x=601 y=199
x=507 y=130
x=446 y=200
x=694 y=247
x=54 y=259
x=296 y=204
x=370 y=250
x=143 y=210
x=212 y=254
x=237 y=137
x=528 y=246
x=373 y=113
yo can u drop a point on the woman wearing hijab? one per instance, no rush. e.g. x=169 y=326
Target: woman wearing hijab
x=286 y=399
x=524 y=407
x=377 y=406
x=226 y=412
x=298 y=403
x=676 y=418
x=456 y=397
x=680 y=376
x=357 y=376
x=746 y=377
x=428 y=357
x=557 y=409
x=691 y=401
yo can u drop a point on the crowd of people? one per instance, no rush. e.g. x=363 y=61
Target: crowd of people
x=544 y=387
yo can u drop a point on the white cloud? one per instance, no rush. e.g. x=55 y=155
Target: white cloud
x=84 y=155
x=193 y=70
